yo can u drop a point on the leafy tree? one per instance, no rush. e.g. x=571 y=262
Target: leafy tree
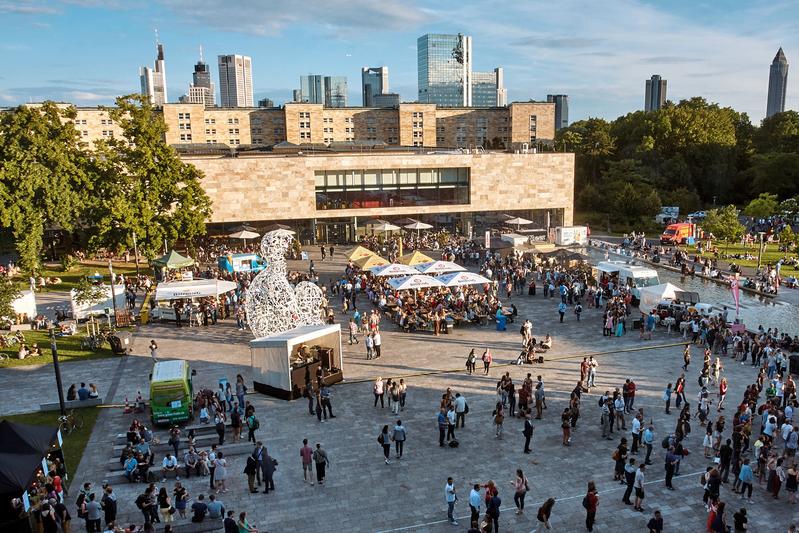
x=776 y=173
x=8 y=293
x=787 y=235
x=779 y=133
x=763 y=206
x=688 y=201
x=723 y=224
x=143 y=186
x=592 y=144
x=89 y=293
x=45 y=176
x=790 y=206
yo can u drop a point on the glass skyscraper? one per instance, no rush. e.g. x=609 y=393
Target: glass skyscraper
x=561 y=102
x=655 y=93
x=445 y=69
x=488 y=89
x=777 y=84
x=328 y=90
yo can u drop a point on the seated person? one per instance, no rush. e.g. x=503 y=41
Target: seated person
x=192 y=461
x=199 y=509
x=131 y=469
x=127 y=452
x=204 y=417
x=547 y=342
x=93 y=392
x=146 y=434
x=83 y=392
x=216 y=509
x=23 y=352
x=203 y=463
x=143 y=448
x=35 y=350
x=168 y=465
x=72 y=393
x=143 y=472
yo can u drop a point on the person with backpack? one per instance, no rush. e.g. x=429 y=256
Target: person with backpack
x=322 y=462
x=522 y=486
x=590 y=504
x=252 y=425
x=385 y=441
x=544 y=512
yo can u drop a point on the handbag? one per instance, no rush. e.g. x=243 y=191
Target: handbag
x=172 y=510
x=466 y=408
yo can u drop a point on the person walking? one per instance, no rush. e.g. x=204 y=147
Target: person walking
x=590 y=504
x=746 y=476
x=667 y=398
x=562 y=311
x=378 y=389
x=220 y=473
x=398 y=436
x=451 y=497
x=544 y=512
x=252 y=424
x=471 y=360
x=528 y=433
x=306 y=456
x=154 y=351
x=486 y=361
x=521 y=486
x=638 y=484
x=321 y=461
x=686 y=357
x=164 y=503
x=353 y=328
x=394 y=395
x=384 y=439
x=403 y=393
x=498 y=418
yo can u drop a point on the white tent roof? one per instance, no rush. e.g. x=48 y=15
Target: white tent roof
x=417 y=281
x=197 y=288
x=652 y=296
x=394 y=269
x=438 y=267
x=456 y=279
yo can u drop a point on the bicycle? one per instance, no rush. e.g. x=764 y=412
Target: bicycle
x=94 y=342
x=4 y=359
x=70 y=422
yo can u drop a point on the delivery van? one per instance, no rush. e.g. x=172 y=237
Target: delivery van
x=677 y=233
x=171 y=392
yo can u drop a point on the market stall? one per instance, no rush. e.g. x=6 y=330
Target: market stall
x=282 y=363
x=167 y=292
x=171 y=261
x=104 y=305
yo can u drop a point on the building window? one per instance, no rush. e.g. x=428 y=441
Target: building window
x=278 y=131
x=234 y=142
x=371 y=130
x=257 y=131
x=305 y=114
x=184 y=116
x=233 y=131
x=417 y=134
x=232 y=121
x=185 y=137
x=184 y=126
x=348 y=120
x=418 y=114
x=439 y=140
x=107 y=133
x=255 y=122
x=210 y=132
x=257 y=141
x=305 y=135
x=327 y=120
x=85 y=133
x=210 y=141
x=418 y=143
x=210 y=121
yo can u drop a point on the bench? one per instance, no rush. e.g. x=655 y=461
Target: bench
x=209 y=524
x=71 y=404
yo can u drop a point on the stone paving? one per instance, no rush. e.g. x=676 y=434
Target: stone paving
x=362 y=493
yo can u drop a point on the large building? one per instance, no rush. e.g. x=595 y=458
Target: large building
x=153 y=80
x=655 y=93
x=235 y=81
x=561 y=102
x=201 y=90
x=488 y=89
x=374 y=81
x=777 y=84
x=318 y=89
x=444 y=64
x=335 y=91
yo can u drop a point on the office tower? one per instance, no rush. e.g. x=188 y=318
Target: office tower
x=488 y=89
x=266 y=102
x=655 y=95
x=153 y=81
x=296 y=95
x=235 y=81
x=386 y=100
x=374 y=81
x=777 y=84
x=561 y=102
x=201 y=91
x=335 y=91
x=444 y=64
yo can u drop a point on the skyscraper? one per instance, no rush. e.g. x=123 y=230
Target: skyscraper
x=561 y=102
x=235 y=81
x=201 y=91
x=488 y=89
x=335 y=91
x=374 y=81
x=777 y=84
x=153 y=81
x=444 y=64
x=655 y=95
x=328 y=90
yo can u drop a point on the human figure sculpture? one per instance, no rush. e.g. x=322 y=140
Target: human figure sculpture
x=273 y=305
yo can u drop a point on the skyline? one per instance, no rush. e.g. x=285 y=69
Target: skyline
x=700 y=49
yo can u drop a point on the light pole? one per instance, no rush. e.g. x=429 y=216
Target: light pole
x=136 y=253
x=57 y=369
x=113 y=292
x=760 y=250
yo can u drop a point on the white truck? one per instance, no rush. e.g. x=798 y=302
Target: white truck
x=667 y=215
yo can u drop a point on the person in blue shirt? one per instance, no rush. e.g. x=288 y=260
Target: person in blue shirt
x=562 y=310
x=130 y=467
x=746 y=476
x=83 y=392
x=442 y=427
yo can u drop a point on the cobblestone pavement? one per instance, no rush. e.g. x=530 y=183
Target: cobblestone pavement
x=362 y=493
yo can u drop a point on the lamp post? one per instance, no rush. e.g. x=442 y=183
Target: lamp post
x=57 y=369
x=759 y=250
x=113 y=292
x=136 y=253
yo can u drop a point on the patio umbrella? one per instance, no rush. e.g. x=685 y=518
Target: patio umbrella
x=273 y=227
x=414 y=258
x=365 y=263
x=456 y=279
x=360 y=252
x=417 y=281
x=384 y=226
x=518 y=222
x=439 y=267
x=394 y=269
x=405 y=221
x=280 y=232
x=417 y=225
x=243 y=227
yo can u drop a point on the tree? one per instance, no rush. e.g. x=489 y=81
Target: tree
x=779 y=133
x=45 y=176
x=776 y=173
x=688 y=201
x=143 y=186
x=89 y=293
x=723 y=224
x=790 y=206
x=8 y=293
x=763 y=206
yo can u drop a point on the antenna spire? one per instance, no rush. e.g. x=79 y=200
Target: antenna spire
x=201 y=53
x=156 y=36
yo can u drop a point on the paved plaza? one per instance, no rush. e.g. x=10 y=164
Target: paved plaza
x=361 y=492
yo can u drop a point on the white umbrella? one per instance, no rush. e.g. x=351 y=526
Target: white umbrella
x=384 y=226
x=518 y=222
x=417 y=281
x=244 y=234
x=394 y=269
x=439 y=267
x=456 y=279
x=280 y=232
x=418 y=225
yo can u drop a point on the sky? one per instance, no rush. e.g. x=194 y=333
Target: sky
x=599 y=53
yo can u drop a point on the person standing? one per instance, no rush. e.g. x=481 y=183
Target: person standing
x=590 y=503
x=686 y=357
x=493 y=508
x=521 y=486
x=384 y=439
x=327 y=407
x=268 y=473
x=403 y=393
x=250 y=469
x=671 y=466
x=378 y=389
x=451 y=419
x=528 y=433
x=321 y=461
x=562 y=311
x=474 y=503
x=258 y=455
x=398 y=436
x=378 y=343
x=655 y=523
x=94 y=513
x=667 y=397
x=486 y=361
x=746 y=476
x=592 y=366
x=648 y=439
x=154 y=351
x=638 y=484
x=109 y=505
x=353 y=327
x=498 y=417
x=306 y=456
x=369 y=342
x=451 y=497
x=629 y=479
x=636 y=433
x=460 y=410
x=471 y=360
x=442 y=427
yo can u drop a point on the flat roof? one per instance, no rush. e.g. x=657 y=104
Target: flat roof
x=169 y=370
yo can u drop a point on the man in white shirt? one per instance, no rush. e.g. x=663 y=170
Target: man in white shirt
x=169 y=464
x=474 y=503
x=638 y=484
x=460 y=409
x=451 y=418
x=636 y=433
x=378 y=342
x=449 y=492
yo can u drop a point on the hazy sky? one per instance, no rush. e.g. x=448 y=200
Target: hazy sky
x=599 y=53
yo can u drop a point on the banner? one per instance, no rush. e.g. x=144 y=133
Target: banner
x=736 y=293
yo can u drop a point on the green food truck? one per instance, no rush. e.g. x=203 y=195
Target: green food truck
x=171 y=392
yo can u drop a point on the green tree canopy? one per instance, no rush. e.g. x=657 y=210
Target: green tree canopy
x=45 y=176
x=763 y=206
x=143 y=186
x=779 y=133
x=723 y=223
x=776 y=173
x=8 y=293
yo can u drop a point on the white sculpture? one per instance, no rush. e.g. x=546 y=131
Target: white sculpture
x=273 y=305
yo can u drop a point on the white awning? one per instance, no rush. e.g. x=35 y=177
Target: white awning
x=198 y=288
x=438 y=267
x=394 y=269
x=456 y=279
x=417 y=281
x=652 y=296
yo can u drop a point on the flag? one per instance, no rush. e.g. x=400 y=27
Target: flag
x=736 y=292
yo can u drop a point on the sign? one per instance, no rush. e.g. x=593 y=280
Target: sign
x=304 y=256
x=26 y=501
x=60 y=439
x=44 y=466
x=488 y=239
x=176 y=404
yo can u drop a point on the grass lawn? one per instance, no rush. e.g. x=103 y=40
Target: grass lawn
x=69 y=280
x=68 y=349
x=74 y=443
x=771 y=254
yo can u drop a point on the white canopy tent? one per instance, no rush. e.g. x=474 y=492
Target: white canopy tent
x=198 y=288
x=394 y=269
x=417 y=281
x=457 y=279
x=418 y=225
x=439 y=267
x=85 y=309
x=518 y=222
x=652 y=296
